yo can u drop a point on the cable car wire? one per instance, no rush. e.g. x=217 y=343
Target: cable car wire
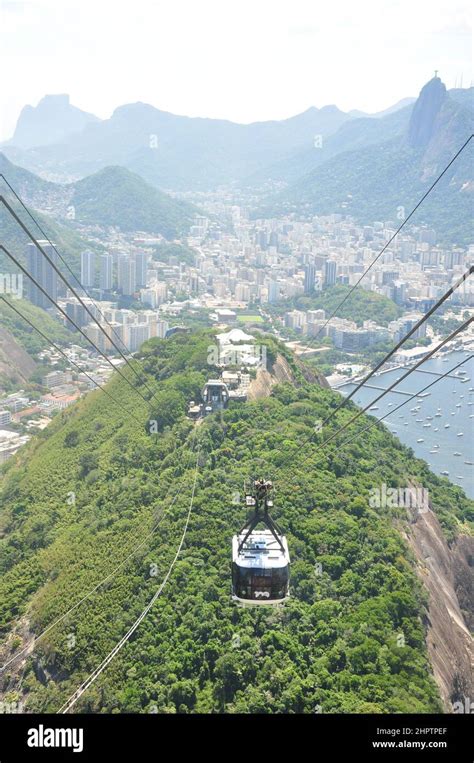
x=63 y=312
x=394 y=410
x=69 y=360
x=69 y=704
x=63 y=259
x=402 y=341
x=392 y=386
x=404 y=402
x=391 y=239
x=71 y=288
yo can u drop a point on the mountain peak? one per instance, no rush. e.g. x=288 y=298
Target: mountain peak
x=52 y=120
x=425 y=111
x=60 y=99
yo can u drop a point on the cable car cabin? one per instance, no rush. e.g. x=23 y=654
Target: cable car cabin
x=260 y=558
x=215 y=395
x=260 y=570
x=194 y=411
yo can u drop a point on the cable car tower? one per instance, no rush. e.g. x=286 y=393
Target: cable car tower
x=260 y=558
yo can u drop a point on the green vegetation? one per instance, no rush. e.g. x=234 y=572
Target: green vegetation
x=31 y=187
x=361 y=306
x=351 y=639
x=116 y=196
x=193 y=318
x=250 y=319
x=29 y=339
x=445 y=326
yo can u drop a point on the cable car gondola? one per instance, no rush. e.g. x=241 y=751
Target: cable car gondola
x=260 y=558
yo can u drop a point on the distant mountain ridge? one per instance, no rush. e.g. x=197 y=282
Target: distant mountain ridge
x=352 y=134
x=401 y=104
x=176 y=152
x=317 y=162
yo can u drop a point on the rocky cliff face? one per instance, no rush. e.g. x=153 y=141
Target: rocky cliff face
x=447 y=575
x=281 y=372
x=15 y=363
x=439 y=125
x=425 y=111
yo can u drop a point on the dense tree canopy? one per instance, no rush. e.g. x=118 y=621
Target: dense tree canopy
x=95 y=486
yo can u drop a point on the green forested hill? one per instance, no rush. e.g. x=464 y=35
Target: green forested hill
x=373 y=184
x=116 y=196
x=362 y=305
x=113 y=196
x=351 y=639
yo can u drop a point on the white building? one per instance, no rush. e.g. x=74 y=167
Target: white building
x=5 y=418
x=87 y=269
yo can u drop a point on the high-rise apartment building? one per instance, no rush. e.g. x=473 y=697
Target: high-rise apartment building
x=141 y=261
x=309 y=278
x=40 y=268
x=330 y=270
x=87 y=269
x=126 y=275
x=106 y=272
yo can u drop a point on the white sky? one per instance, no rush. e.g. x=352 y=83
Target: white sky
x=243 y=60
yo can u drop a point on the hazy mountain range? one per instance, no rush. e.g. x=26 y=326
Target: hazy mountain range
x=173 y=152
x=321 y=161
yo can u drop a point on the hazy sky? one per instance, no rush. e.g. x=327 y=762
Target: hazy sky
x=243 y=60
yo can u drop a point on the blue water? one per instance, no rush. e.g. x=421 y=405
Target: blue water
x=446 y=395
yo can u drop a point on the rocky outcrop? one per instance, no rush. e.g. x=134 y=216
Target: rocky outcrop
x=261 y=386
x=53 y=119
x=311 y=375
x=280 y=373
x=447 y=574
x=425 y=111
x=15 y=363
